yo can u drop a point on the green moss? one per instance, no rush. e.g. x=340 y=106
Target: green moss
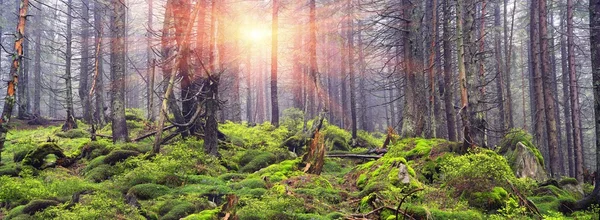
x=567 y=181
x=251 y=183
x=270 y=207
x=38 y=205
x=335 y=215
x=100 y=173
x=331 y=196
x=205 y=189
x=232 y=176
x=258 y=162
x=309 y=217
x=9 y=170
x=279 y=171
x=73 y=133
x=20 y=155
x=179 y=211
x=95 y=163
x=148 y=191
x=36 y=157
x=210 y=214
x=118 y=156
x=134 y=114
x=516 y=135
x=489 y=201
x=254 y=193
x=16 y=211
x=203 y=180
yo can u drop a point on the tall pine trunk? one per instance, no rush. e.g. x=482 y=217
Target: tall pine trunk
x=117 y=72
x=70 y=121
x=574 y=90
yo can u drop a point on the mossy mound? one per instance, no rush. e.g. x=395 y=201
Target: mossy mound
x=514 y=136
x=73 y=133
x=148 y=191
x=178 y=211
x=38 y=205
x=99 y=173
x=94 y=149
x=9 y=170
x=119 y=156
x=295 y=143
x=210 y=214
x=387 y=175
x=277 y=172
x=20 y=155
x=258 y=162
x=134 y=114
x=419 y=148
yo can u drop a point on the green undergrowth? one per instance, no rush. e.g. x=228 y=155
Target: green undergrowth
x=122 y=181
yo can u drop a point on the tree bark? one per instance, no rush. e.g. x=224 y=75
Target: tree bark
x=83 y=75
x=462 y=78
x=500 y=70
x=150 y=63
x=566 y=100
x=117 y=72
x=552 y=134
x=448 y=70
x=14 y=73
x=274 y=43
x=352 y=82
x=70 y=121
x=100 y=114
x=37 y=68
x=538 y=83
x=574 y=90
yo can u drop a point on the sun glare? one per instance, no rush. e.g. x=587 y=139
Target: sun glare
x=256 y=34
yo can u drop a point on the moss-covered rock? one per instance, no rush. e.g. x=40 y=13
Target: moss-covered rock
x=16 y=211
x=390 y=174
x=38 y=205
x=94 y=149
x=523 y=157
x=9 y=170
x=118 y=156
x=148 y=191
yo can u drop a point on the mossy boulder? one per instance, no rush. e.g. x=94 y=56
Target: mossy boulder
x=387 y=175
x=523 y=157
x=94 y=149
x=489 y=201
x=210 y=214
x=38 y=205
x=16 y=211
x=119 y=156
x=36 y=158
x=148 y=191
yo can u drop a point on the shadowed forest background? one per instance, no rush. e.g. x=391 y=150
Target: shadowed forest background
x=313 y=109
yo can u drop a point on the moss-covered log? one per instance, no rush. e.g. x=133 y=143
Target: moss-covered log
x=36 y=158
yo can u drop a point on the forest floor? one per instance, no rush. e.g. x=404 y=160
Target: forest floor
x=258 y=177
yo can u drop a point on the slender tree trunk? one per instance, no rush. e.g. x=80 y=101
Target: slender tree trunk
x=9 y=100
x=351 y=72
x=312 y=60
x=566 y=100
x=574 y=90
x=37 y=69
x=297 y=69
x=343 y=75
x=362 y=93
x=538 y=84
x=448 y=70
x=553 y=144
x=462 y=78
x=507 y=68
x=117 y=72
x=83 y=75
x=274 y=43
x=70 y=121
x=100 y=114
x=151 y=63
x=432 y=67
x=22 y=87
x=594 y=7
x=249 y=114
x=500 y=69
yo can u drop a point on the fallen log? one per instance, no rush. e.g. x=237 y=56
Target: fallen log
x=150 y=134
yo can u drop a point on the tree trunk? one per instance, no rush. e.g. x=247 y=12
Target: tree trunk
x=14 y=74
x=566 y=100
x=500 y=70
x=117 y=72
x=249 y=115
x=22 y=87
x=552 y=134
x=83 y=75
x=274 y=43
x=343 y=74
x=70 y=121
x=574 y=90
x=350 y=36
x=462 y=79
x=508 y=110
x=150 y=63
x=538 y=84
x=448 y=70
x=37 y=68
x=100 y=114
